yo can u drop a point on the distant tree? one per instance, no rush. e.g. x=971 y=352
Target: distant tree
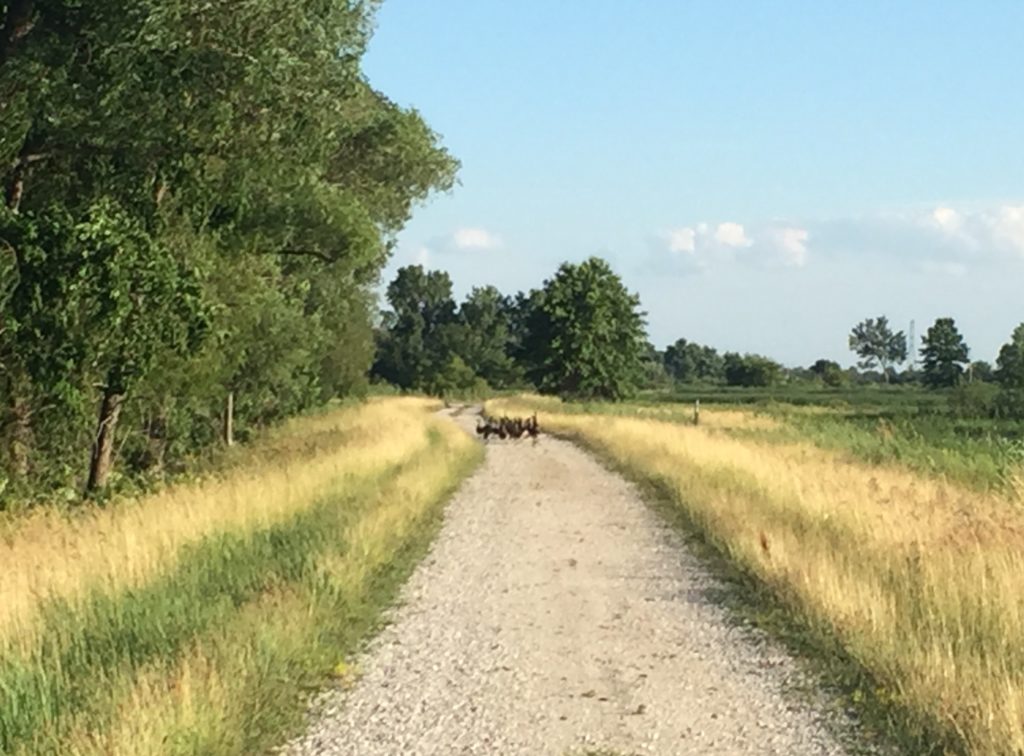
x=981 y=371
x=484 y=336
x=654 y=374
x=687 y=361
x=1010 y=363
x=417 y=344
x=943 y=353
x=520 y=311
x=1010 y=375
x=877 y=345
x=587 y=334
x=751 y=370
x=828 y=372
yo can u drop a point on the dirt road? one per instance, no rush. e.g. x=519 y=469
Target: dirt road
x=556 y=615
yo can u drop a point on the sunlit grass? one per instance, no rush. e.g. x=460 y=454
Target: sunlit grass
x=919 y=578
x=205 y=644
x=51 y=555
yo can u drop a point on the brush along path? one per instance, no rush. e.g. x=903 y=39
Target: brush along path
x=554 y=615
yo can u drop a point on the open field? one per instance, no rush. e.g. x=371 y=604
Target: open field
x=192 y=620
x=912 y=427
x=918 y=576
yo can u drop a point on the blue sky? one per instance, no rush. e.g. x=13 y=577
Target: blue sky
x=764 y=174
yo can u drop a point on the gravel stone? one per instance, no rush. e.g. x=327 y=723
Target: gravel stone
x=555 y=614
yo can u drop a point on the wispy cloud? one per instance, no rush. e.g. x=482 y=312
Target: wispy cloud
x=732 y=235
x=474 y=238
x=944 y=239
x=791 y=243
x=703 y=245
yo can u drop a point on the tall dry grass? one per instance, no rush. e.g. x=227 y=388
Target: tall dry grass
x=217 y=696
x=51 y=555
x=921 y=580
x=191 y=620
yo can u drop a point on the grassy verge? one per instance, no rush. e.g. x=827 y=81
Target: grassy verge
x=910 y=429
x=210 y=651
x=910 y=584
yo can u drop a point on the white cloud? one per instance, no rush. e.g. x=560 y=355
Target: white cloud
x=792 y=245
x=732 y=235
x=952 y=240
x=475 y=238
x=1008 y=228
x=682 y=240
x=947 y=219
x=703 y=245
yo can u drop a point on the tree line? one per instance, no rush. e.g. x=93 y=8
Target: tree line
x=581 y=334
x=198 y=199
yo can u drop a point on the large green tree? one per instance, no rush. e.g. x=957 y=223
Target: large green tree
x=943 y=354
x=587 y=334
x=420 y=332
x=877 y=345
x=176 y=172
x=483 y=339
x=687 y=361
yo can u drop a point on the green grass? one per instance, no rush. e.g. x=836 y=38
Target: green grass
x=908 y=426
x=89 y=655
x=984 y=454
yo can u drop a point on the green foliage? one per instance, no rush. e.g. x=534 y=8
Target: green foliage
x=877 y=345
x=197 y=200
x=587 y=334
x=751 y=370
x=1010 y=375
x=484 y=335
x=417 y=342
x=943 y=353
x=980 y=370
x=829 y=373
x=687 y=362
x=1010 y=364
x=974 y=400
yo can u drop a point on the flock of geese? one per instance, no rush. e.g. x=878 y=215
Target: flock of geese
x=508 y=427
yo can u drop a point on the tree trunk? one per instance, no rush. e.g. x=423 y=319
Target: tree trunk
x=103 y=446
x=15 y=189
x=18 y=425
x=21 y=437
x=229 y=419
x=156 y=438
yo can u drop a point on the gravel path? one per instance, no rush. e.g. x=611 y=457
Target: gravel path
x=556 y=615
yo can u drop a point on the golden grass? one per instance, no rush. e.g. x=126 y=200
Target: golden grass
x=920 y=579
x=196 y=705
x=50 y=555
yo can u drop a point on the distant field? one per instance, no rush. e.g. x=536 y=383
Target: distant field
x=907 y=552
x=912 y=427
x=192 y=620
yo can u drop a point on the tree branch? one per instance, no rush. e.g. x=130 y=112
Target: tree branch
x=322 y=256
x=17 y=23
